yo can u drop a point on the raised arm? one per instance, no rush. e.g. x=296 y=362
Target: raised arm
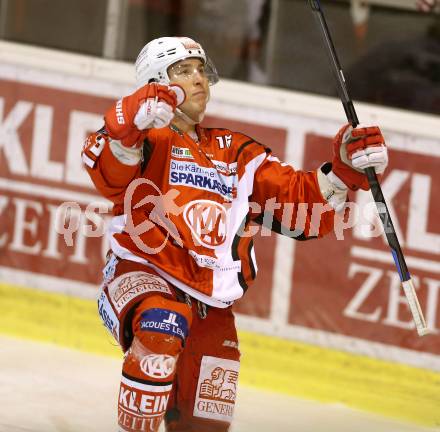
x=303 y=203
x=113 y=155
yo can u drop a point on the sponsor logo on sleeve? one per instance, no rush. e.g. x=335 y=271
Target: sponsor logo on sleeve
x=204 y=178
x=216 y=389
x=164 y=321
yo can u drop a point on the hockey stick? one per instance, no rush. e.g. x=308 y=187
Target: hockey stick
x=384 y=214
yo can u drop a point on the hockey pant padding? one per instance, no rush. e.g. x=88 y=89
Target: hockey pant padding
x=205 y=385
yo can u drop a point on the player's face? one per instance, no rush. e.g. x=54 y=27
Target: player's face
x=190 y=74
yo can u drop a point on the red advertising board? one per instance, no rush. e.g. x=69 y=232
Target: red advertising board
x=39 y=169
x=348 y=287
x=351 y=286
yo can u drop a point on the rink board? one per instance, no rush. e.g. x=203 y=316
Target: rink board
x=339 y=294
x=289 y=367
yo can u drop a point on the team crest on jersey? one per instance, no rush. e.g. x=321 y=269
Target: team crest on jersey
x=207 y=221
x=181 y=153
x=216 y=389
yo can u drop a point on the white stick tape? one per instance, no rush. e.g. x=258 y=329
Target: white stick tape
x=414 y=305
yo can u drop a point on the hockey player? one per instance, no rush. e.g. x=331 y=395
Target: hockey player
x=181 y=246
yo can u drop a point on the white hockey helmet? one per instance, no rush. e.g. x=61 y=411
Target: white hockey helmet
x=158 y=55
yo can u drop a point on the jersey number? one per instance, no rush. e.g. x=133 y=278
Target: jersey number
x=224 y=141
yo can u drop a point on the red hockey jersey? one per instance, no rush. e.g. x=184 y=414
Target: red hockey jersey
x=190 y=208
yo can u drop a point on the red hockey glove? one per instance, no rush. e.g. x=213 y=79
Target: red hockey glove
x=93 y=148
x=354 y=151
x=152 y=106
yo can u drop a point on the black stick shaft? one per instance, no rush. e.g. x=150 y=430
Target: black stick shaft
x=352 y=118
x=347 y=103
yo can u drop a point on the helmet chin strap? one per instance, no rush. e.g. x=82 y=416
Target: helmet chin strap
x=180 y=99
x=186 y=118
